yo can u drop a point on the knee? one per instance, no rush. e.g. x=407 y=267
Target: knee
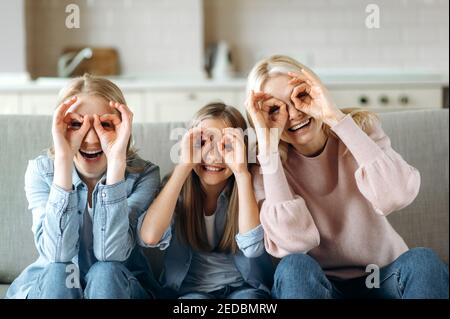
x=105 y=271
x=58 y=280
x=297 y=266
x=107 y=280
x=58 y=269
x=423 y=260
x=299 y=276
x=64 y=273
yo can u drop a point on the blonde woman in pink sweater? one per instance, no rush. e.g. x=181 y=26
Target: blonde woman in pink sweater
x=326 y=181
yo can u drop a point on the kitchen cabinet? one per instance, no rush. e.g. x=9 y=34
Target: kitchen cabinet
x=38 y=103
x=388 y=98
x=178 y=101
x=181 y=105
x=9 y=103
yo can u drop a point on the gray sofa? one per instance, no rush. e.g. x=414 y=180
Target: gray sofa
x=420 y=136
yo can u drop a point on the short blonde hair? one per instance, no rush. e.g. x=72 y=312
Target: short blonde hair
x=98 y=86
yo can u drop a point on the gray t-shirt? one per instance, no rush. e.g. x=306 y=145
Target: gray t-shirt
x=210 y=271
x=86 y=257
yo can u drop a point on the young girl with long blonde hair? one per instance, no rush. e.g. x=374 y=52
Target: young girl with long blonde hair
x=86 y=196
x=207 y=214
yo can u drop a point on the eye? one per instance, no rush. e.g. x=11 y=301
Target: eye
x=274 y=109
x=75 y=125
x=106 y=125
x=228 y=146
x=302 y=95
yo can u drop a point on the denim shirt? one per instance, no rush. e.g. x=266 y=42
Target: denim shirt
x=58 y=216
x=251 y=259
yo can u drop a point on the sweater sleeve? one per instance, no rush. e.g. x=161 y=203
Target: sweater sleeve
x=383 y=177
x=288 y=225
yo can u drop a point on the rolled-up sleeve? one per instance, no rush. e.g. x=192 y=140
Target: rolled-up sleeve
x=162 y=244
x=251 y=243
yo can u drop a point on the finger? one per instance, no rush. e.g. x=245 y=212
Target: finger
x=98 y=125
x=296 y=81
x=125 y=112
x=70 y=117
x=195 y=137
x=235 y=137
x=85 y=126
x=316 y=91
x=237 y=133
x=229 y=143
x=261 y=96
x=113 y=118
x=63 y=107
x=271 y=106
x=127 y=115
x=299 y=93
x=221 y=149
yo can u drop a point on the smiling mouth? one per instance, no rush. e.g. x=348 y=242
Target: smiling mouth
x=300 y=125
x=91 y=154
x=213 y=169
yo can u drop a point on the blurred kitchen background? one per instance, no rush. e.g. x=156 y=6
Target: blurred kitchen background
x=170 y=57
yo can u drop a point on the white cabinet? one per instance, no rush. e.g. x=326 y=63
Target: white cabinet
x=38 y=103
x=181 y=105
x=9 y=103
x=383 y=98
x=135 y=101
x=153 y=103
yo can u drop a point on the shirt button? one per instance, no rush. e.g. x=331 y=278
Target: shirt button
x=103 y=194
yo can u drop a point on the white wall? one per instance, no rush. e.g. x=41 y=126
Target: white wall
x=12 y=37
x=153 y=37
x=332 y=33
x=167 y=37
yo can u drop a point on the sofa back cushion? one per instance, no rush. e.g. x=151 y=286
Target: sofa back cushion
x=421 y=137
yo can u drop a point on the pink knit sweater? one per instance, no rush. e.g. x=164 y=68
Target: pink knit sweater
x=334 y=206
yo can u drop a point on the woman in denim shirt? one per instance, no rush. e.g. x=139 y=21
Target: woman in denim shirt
x=207 y=215
x=86 y=197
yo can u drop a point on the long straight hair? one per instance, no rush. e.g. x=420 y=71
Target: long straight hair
x=98 y=86
x=281 y=64
x=190 y=224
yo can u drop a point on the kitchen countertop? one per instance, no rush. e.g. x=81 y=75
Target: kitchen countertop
x=332 y=79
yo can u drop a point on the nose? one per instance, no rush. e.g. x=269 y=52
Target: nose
x=293 y=112
x=91 y=137
x=212 y=154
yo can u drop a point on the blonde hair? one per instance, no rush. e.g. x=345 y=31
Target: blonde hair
x=281 y=64
x=190 y=223
x=98 y=86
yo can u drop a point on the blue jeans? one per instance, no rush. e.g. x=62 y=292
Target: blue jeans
x=105 y=280
x=228 y=292
x=418 y=273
